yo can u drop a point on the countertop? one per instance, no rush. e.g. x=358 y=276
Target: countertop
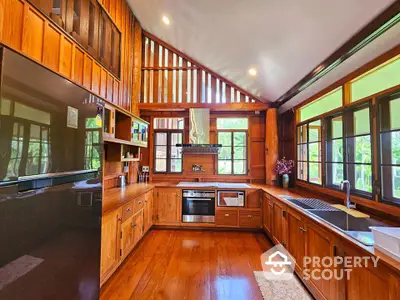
x=116 y=197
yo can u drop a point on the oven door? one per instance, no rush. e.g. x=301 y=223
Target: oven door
x=198 y=210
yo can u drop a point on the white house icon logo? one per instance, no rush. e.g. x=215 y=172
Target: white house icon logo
x=278 y=264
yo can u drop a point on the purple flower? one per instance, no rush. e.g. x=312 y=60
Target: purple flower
x=284 y=166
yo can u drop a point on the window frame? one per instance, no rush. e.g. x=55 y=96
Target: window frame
x=168 y=159
x=379 y=184
x=232 y=146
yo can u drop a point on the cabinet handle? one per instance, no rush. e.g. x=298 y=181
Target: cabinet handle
x=249 y=216
x=140 y=202
x=226 y=215
x=302 y=229
x=129 y=209
x=133 y=225
x=119 y=219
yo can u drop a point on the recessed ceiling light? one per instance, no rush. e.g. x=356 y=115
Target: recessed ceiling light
x=253 y=72
x=165 y=20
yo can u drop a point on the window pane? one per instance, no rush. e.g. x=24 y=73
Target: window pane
x=239 y=153
x=176 y=138
x=176 y=165
x=239 y=139
x=224 y=167
x=315 y=173
x=391 y=183
x=337 y=150
x=161 y=152
x=161 y=138
x=335 y=173
x=394 y=117
x=322 y=105
x=302 y=134
x=302 y=152
x=239 y=167
x=337 y=127
x=302 y=171
x=176 y=152
x=379 y=79
x=225 y=153
x=363 y=178
x=363 y=149
x=225 y=138
x=169 y=123
x=390 y=147
x=314 y=131
x=232 y=123
x=361 y=122
x=314 y=152
x=161 y=165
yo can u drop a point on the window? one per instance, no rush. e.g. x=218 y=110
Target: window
x=389 y=124
x=309 y=164
x=359 y=150
x=167 y=133
x=376 y=80
x=334 y=151
x=38 y=150
x=92 y=145
x=322 y=105
x=232 y=135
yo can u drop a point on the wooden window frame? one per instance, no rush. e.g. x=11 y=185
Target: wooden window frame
x=168 y=159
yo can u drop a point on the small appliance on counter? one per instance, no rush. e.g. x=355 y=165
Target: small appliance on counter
x=121 y=181
x=231 y=198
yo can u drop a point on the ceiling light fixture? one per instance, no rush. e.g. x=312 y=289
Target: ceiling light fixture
x=165 y=20
x=253 y=72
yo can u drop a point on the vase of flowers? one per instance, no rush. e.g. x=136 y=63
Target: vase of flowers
x=284 y=168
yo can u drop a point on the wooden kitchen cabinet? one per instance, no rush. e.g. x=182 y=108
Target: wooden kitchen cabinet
x=137 y=225
x=296 y=235
x=226 y=217
x=110 y=246
x=253 y=198
x=167 y=204
x=267 y=214
x=127 y=236
x=109 y=122
x=278 y=222
x=249 y=218
x=148 y=211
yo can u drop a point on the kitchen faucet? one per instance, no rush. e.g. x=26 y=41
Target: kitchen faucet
x=348 y=187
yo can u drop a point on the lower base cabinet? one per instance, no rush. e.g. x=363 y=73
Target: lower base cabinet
x=167 y=204
x=121 y=230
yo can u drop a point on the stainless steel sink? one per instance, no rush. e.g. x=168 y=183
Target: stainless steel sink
x=312 y=204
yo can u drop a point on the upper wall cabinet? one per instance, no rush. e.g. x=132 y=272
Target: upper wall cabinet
x=89 y=24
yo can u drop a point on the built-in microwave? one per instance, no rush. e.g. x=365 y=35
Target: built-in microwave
x=231 y=198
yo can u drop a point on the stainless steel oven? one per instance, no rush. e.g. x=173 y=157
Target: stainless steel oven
x=198 y=206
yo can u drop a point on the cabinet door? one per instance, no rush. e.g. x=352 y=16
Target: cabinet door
x=109 y=121
x=137 y=227
x=278 y=224
x=320 y=243
x=168 y=206
x=295 y=237
x=110 y=230
x=148 y=211
x=267 y=214
x=127 y=236
x=253 y=199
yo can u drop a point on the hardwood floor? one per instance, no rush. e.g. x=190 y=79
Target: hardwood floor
x=187 y=264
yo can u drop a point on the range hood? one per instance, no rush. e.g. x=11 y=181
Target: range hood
x=199 y=133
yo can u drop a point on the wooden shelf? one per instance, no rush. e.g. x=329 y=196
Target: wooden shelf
x=129 y=159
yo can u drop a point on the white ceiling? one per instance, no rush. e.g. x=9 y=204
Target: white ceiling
x=283 y=39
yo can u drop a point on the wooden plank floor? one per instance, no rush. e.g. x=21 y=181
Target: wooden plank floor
x=187 y=264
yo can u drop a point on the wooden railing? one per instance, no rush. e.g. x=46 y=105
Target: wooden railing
x=171 y=77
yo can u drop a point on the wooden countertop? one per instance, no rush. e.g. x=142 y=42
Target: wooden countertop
x=116 y=197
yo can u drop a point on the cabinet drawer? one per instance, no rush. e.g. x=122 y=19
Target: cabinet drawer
x=250 y=219
x=226 y=217
x=127 y=211
x=138 y=203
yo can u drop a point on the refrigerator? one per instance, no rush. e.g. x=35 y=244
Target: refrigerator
x=50 y=184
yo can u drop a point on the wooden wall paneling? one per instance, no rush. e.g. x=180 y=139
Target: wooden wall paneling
x=242 y=98
x=96 y=71
x=155 y=73
x=131 y=61
x=12 y=22
x=199 y=86
x=103 y=83
x=79 y=65
x=66 y=57
x=137 y=67
x=33 y=33
x=228 y=93
x=118 y=12
x=123 y=53
x=87 y=72
x=116 y=91
x=110 y=88
x=112 y=9
x=184 y=81
x=271 y=145
x=51 y=51
x=206 y=93
x=192 y=84
x=162 y=75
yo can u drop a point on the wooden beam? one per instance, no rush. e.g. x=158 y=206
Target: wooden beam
x=257 y=106
x=195 y=62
